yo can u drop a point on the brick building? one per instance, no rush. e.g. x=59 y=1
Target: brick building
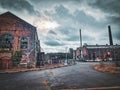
x=19 y=44
x=101 y=52
x=97 y=53
x=76 y=54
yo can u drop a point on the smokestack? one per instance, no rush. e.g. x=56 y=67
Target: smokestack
x=80 y=39
x=110 y=35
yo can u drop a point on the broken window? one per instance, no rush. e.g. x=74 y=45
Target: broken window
x=6 y=41
x=24 y=43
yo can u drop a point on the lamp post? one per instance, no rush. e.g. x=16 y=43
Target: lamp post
x=66 y=60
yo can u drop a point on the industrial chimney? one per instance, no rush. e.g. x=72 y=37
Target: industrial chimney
x=110 y=35
x=80 y=39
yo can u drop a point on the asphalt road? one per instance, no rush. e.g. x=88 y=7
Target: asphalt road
x=81 y=75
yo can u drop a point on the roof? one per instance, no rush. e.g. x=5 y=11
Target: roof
x=102 y=46
x=9 y=14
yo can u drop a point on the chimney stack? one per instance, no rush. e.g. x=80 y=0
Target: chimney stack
x=110 y=35
x=80 y=39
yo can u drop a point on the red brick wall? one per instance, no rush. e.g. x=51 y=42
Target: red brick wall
x=17 y=27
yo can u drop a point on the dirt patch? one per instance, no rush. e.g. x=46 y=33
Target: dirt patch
x=110 y=68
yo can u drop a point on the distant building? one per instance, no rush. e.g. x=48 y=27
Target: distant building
x=70 y=53
x=19 y=42
x=41 y=59
x=77 y=53
x=74 y=54
x=98 y=52
x=55 y=57
x=101 y=52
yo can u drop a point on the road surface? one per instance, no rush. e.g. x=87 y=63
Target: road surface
x=82 y=75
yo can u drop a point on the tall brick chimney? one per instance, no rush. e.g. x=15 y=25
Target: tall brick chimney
x=110 y=35
x=80 y=39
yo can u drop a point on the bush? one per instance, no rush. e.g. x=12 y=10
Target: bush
x=16 y=57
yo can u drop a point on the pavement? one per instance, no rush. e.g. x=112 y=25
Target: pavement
x=80 y=76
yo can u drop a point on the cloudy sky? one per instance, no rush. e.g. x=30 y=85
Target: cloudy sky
x=58 y=21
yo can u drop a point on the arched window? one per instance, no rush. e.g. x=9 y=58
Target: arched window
x=6 y=41
x=24 y=43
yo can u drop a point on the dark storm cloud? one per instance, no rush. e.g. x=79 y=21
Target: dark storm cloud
x=18 y=5
x=53 y=43
x=79 y=18
x=62 y=11
x=62 y=15
x=116 y=21
x=52 y=40
x=112 y=7
x=69 y=20
x=118 y=36
x=70 y=33
x=65 y=30
x=91 y=16
x=84 y=19
x=88 y=38
x=73 y=38
x=109 y=6
x=52 y=32
x=52 y=1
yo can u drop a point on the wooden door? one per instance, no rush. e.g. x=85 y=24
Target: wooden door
x=6 y=64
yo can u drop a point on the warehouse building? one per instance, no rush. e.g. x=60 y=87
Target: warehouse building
x=19 y=44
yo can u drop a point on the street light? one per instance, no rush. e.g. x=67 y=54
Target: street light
x=66 y=60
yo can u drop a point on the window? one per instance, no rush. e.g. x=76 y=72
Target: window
x=24 y=43
x=6 y=41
